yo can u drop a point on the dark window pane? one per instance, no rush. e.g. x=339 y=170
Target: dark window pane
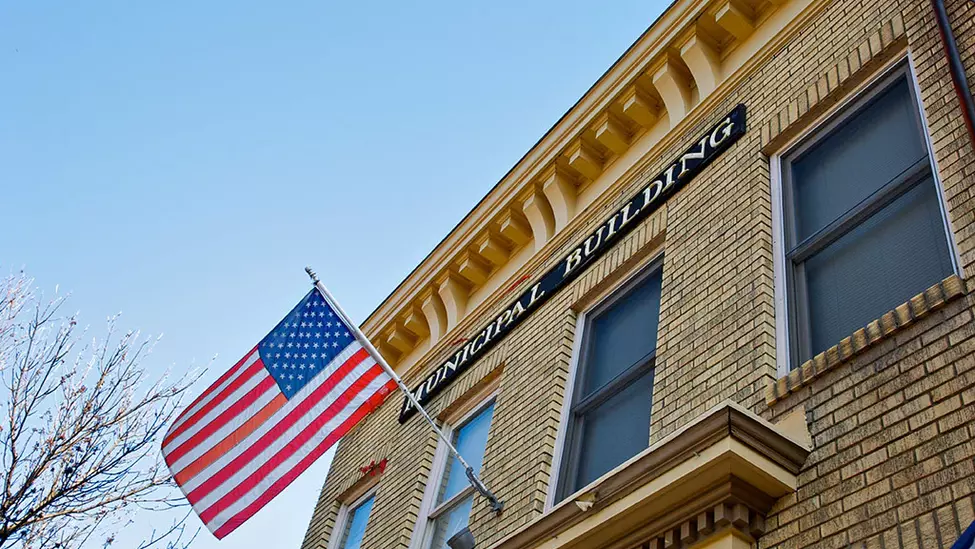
x=470 y=440
x=896 y=254
x=615 y=431
x=865 y=153
x=622 y=335
x=355 y=528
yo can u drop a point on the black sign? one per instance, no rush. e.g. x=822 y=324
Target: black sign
x=645 y=202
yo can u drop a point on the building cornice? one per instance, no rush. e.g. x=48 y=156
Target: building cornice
x=599 y=143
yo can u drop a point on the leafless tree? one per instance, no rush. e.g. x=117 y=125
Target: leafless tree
x=80 y=425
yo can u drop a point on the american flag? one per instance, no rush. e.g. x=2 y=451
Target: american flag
x=269 y=417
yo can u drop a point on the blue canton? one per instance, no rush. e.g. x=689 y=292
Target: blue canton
x=304 y=343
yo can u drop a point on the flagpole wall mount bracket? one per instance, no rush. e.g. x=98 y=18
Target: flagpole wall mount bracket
x=496 y=505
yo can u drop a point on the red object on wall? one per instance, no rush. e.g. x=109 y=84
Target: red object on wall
x=373 y=468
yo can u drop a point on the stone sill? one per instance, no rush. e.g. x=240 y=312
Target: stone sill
x=718 y=475
x=879 y=330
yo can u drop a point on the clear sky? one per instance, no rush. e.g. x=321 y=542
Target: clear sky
x=181 y=162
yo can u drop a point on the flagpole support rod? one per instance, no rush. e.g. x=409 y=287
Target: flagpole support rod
x=496 y=505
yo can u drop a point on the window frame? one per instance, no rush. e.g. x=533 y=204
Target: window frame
x=563 y=459
x=791 y=314
x=430 y=511
x=345 y=513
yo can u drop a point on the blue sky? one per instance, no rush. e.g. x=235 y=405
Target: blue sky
x=181 y=162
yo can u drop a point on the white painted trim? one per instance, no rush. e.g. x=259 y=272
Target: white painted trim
x=420 y=538
x=782 y=342
x=782 y=314
x=343 y=516
x=936 y=171
x=566 y=407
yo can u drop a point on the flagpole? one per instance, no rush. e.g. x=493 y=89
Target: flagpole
x=496 y=504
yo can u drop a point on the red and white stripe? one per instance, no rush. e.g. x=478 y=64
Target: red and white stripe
x=242 y=442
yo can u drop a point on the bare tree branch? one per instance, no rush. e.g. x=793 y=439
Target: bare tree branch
x=80 y=428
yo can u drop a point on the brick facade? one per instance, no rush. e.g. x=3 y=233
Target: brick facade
x=892 y=421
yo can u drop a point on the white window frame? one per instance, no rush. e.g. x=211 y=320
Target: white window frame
x=783 y=320
x=338 y=531
x=429 y=511
x=558 y=453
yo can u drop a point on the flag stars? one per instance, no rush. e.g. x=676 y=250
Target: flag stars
x=299 y=337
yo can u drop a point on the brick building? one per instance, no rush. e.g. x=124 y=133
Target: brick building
x=660 y=330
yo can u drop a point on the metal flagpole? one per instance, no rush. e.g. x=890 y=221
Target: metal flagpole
x=496 y=504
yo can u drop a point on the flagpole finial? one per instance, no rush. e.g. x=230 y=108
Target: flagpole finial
x=312 y=275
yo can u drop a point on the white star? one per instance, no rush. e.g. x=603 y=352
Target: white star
x=290 y=344
x=275 y=365
x=315 y=344
x=318 y=334
x=277 y=355
x=287 y=355
x=306 y=314
x=337 y=334
x=314 y=355
x=329 y=324
x=287 y=387
x=291 y=376
x=319 y=324
x=305 y=345
x=335 y=344
x=280 y=345
x=303 y=355
x=301 y=376
x=303 y=324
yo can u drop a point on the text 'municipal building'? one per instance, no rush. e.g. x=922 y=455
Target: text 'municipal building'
x=723 y=303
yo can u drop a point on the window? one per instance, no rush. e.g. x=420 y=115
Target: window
x=608 y=420
x=450 y=508
x=862 y=220
x=355 y=523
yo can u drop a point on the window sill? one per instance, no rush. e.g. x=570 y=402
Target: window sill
x=879 y=330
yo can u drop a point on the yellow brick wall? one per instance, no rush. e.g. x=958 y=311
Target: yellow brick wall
x=893 y=427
